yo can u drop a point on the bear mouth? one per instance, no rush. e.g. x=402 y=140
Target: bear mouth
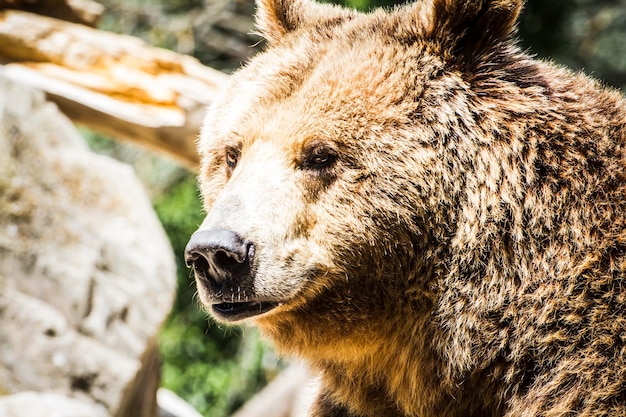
x=232 y=312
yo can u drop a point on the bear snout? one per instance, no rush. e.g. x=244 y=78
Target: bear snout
x=219 y=256
x=222 y=262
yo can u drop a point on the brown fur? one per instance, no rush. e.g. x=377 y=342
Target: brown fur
x=465 y=253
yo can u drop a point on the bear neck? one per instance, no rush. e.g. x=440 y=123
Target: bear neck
x=367 y=363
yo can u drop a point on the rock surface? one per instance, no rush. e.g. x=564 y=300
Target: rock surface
x=87 y=274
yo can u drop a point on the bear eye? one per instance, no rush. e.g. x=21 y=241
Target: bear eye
x=232 y=156
x=320 y=157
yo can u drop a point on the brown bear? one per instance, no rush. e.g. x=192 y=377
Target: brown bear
x=430 y=217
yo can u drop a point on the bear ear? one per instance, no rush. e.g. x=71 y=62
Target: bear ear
x=470 y=28
x=276 y=18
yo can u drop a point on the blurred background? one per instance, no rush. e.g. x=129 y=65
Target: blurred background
x=217 y=368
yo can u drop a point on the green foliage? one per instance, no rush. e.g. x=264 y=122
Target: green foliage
x=98 y=143
x=194 y=365
x=180 y=212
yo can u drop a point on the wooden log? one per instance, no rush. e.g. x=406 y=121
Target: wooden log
x=115 y=84
x=86 y=12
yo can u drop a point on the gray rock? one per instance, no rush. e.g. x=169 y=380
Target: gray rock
x=87 y=274
x=47 y=405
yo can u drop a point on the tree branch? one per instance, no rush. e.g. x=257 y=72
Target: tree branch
x=86 y=12
x=115 y=84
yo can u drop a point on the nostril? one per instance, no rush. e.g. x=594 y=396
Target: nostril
x=200 y=264
x=224 y=261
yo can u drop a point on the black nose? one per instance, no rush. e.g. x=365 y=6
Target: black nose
x=219 y=255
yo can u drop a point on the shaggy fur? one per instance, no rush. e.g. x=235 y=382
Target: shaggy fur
x=441 y=217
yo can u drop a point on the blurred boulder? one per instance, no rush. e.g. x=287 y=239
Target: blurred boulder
x=35 y=404
x=87 y=274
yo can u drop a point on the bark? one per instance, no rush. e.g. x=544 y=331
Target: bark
x=86 y=12
x=115 y=84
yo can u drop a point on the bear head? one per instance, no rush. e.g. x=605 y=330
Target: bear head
x=328 y=164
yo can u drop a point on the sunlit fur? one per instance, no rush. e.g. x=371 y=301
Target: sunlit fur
x=466 y=253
